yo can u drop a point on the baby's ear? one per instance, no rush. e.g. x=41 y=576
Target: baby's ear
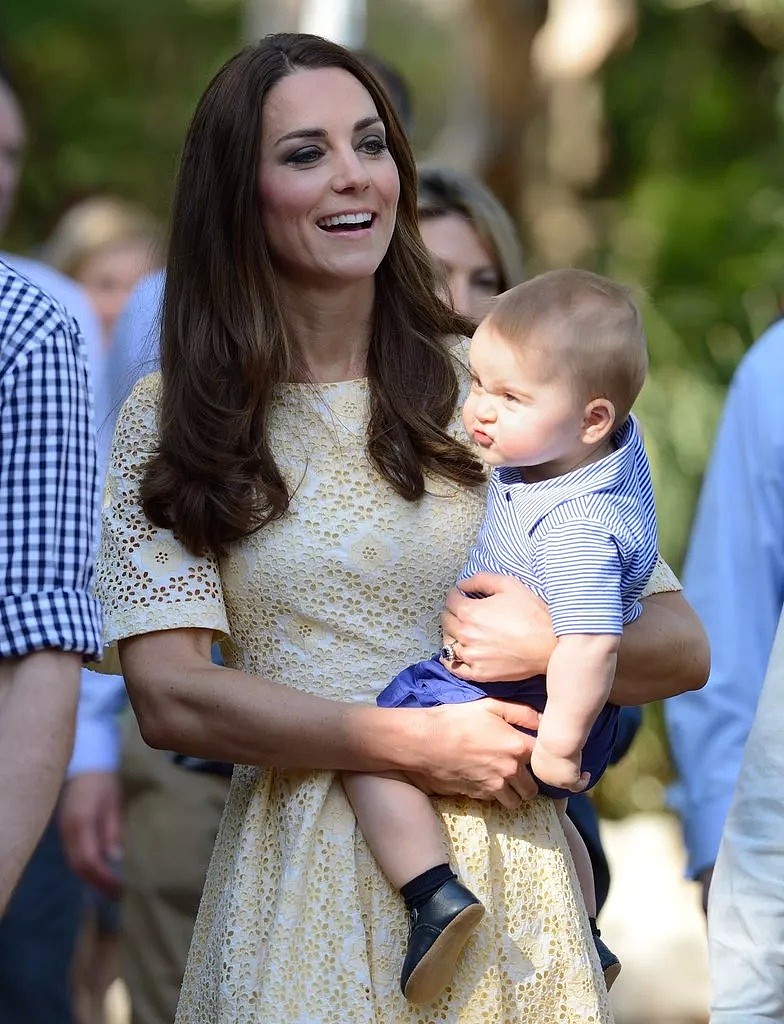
x=598 y=420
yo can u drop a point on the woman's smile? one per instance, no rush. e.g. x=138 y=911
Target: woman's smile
x=328 y=184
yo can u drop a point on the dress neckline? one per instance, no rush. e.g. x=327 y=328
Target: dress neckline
x=320 y=386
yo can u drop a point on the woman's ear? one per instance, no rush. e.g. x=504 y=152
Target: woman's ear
x=598 y=420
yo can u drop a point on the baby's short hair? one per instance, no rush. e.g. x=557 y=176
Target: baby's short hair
x=587 y=326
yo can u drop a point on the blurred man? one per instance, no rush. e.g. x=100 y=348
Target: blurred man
x=746 y=911
x=38 y=931
x=734 y=579
x=49 y=620
x=13 y=141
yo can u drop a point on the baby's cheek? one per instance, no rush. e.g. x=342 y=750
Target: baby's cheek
x=468 y=414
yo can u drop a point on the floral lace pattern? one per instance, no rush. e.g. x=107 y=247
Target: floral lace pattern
x=297 y=925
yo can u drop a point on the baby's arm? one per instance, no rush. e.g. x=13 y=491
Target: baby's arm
x=579 y=677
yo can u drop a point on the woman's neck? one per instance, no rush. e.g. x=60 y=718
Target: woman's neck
x=330 y=327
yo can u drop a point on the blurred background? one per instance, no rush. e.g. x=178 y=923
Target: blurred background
x=638 y=138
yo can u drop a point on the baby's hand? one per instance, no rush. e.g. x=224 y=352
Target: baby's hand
x=556 y=770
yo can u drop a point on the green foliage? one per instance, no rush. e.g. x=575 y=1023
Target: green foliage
x=695 y=113
x=694 y=108
x=108 y=89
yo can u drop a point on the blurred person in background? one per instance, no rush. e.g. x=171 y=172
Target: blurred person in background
x=51 y=620
x=39 y=928
x=734 y=578
x=471 y=239
x=13 y=144
x=477 y=254
x=106 y=244
x=170 y=805
x=746 y=905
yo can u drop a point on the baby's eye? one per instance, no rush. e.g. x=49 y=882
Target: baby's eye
x=513 y=399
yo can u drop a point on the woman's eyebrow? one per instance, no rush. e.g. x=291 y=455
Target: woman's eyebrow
x=321 y=133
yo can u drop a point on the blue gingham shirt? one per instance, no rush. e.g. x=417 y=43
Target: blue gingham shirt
x=48 y=478
x=584 y=542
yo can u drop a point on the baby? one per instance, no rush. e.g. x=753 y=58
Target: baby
x=555 y=370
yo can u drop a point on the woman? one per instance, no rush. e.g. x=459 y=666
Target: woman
x=470 y=237
x=292 y=482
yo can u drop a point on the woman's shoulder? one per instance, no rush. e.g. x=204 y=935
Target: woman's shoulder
x=458 y=346
x=138 y=413
x=145 y=394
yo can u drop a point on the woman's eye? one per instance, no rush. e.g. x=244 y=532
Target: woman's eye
x=373 y=145
x=487 y=283
x=309 y=155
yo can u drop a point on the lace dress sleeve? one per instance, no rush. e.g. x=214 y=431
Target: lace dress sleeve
x=145 y=578
x=662 y=580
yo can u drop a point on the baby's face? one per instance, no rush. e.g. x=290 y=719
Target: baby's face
x=520 y=412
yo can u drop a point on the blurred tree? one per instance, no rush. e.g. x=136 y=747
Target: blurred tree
x=108 y=90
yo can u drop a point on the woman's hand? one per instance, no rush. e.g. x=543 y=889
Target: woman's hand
x=504 y=636
x=471 y=750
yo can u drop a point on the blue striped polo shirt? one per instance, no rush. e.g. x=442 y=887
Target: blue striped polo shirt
x=584 y=542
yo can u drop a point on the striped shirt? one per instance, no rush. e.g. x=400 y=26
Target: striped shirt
x=48 y=480
x=584 y=542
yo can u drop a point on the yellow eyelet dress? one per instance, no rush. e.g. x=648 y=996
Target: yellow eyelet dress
x=297 y=924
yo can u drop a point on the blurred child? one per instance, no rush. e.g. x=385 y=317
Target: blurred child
x=106 y=244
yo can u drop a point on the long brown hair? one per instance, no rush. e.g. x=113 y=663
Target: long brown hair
x=443 y=190
x=224 y=346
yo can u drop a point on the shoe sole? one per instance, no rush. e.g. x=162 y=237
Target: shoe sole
x=434 y=971
x=611 y=974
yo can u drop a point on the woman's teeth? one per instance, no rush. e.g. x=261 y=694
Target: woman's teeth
x=351 y=220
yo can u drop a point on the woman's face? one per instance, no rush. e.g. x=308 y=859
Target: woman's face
x=466 y=264
x=328 y=184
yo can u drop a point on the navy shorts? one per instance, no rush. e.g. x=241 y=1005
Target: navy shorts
x=428 y=684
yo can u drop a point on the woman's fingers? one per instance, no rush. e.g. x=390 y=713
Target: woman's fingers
x=475 y=751
x=504 y=636
x=487 y=584
x=523 y=716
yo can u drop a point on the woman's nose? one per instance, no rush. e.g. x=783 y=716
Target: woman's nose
x=352 y=173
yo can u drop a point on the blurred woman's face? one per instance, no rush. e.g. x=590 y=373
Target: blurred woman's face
x=109 y=276
x=328 y=184
x=465 y=264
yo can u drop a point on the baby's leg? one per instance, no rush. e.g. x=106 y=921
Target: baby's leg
x=399 y=823
x=611 y=965
x=582 y=861
x=404 y=833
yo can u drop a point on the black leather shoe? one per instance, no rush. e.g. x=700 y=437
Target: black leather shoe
x=611 y=965
x=437 y=933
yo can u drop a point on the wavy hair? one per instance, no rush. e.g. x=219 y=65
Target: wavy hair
x=443 y=190
x=224 y=346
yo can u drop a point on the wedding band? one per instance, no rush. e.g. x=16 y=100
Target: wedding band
x=448 y=653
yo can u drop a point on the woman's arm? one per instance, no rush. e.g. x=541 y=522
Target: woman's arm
x=186 y=703
x=508 y=635
x=662 y=653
